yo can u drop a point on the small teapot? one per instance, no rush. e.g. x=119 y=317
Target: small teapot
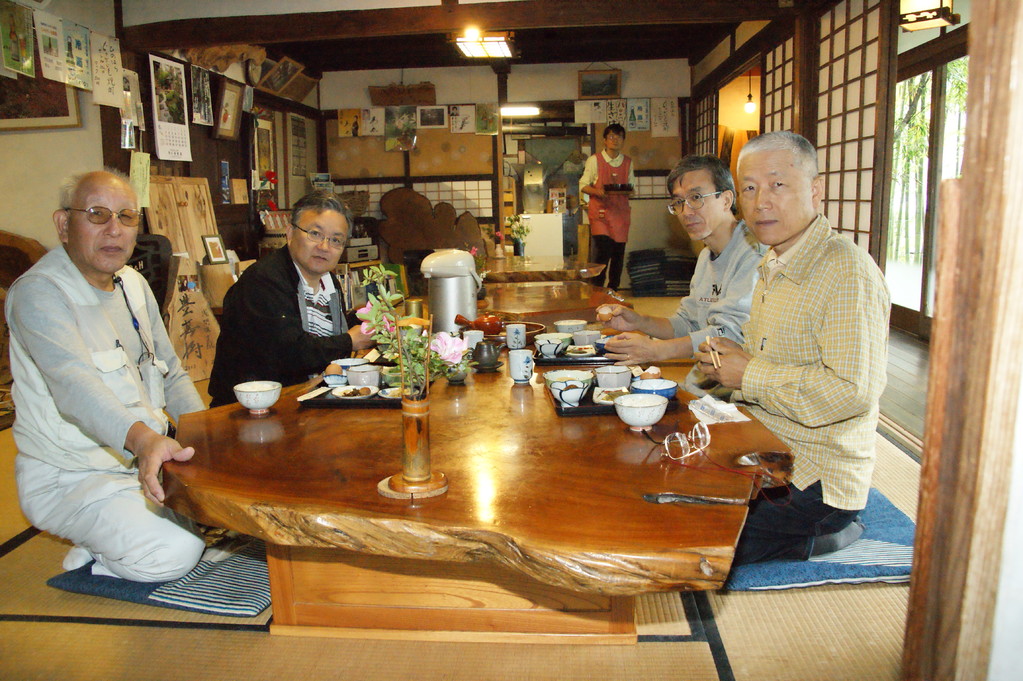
x=489 y=324
x=486 y=353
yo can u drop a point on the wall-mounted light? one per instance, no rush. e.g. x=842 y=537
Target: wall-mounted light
x=750 y=106
x=916 y=15
x=515 y=111
x=490 y=45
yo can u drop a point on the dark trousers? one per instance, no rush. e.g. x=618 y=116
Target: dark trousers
x=607 y=251
x=776 y=530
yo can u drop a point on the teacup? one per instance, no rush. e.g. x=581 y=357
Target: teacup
x=613 y=377
x=515 y=336
x=364 y=374
x=472 y=337
x=486 y=354
x=520 y=365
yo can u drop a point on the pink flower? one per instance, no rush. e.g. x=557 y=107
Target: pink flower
x=472 y=251
x=448 y=348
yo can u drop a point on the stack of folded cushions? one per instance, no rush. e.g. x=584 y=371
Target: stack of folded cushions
x=659 y=272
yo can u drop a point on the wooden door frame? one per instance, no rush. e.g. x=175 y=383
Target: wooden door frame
x=968 y=451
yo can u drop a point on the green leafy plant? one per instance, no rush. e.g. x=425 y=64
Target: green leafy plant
x=407 y=340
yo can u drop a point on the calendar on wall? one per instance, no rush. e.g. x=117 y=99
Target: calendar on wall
x=170 y=110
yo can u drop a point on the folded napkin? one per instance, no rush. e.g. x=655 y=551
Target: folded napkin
x=710 y=410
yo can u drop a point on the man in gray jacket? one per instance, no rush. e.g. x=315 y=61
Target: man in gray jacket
x=718 y=304
x=93 y=372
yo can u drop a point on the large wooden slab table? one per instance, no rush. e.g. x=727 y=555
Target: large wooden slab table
x=518 y=268
x=543 y=531
x=548 y=301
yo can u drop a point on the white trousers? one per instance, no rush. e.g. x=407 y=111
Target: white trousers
x=105 y=513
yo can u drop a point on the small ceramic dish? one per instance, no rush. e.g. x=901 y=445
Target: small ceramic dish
x=640 y=411
x=353 y=392
x=580 y=351
x=655 y=386
x=608 y=395
x=258 y=396
x=391 y=393
x=335 y=380
x=552 y=344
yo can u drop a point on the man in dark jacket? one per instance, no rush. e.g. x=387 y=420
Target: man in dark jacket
x=283 y=319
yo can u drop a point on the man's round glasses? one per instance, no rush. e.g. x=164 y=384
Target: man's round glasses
x=98 y=215
x=694 y=201
x=679 y=446
x=317 y=237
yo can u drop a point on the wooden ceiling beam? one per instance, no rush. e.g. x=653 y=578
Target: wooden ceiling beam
x=445 y=18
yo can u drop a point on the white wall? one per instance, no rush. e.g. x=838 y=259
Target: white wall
x=33 y=163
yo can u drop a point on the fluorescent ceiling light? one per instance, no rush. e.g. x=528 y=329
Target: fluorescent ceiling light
x=510 y=111
x=485 y=45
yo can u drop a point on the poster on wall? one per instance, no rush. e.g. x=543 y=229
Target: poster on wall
x=170 y=110
x=133 y=99
x=400 y=128
x=462 y=118
x=107 y=83
x=591 y=111
x=639 y=114
x=298 y=131
x=17 y=39
x=663 y=117
x=486 y=119
x=371 y=122
x=616 y=111
x=348 y=122
x=78 y=60
x=202 y=99
x=50 y=34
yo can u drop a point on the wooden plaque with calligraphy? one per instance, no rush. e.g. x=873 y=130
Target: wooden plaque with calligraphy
x=192 y=328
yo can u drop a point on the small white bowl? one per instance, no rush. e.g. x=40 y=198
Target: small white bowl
x=258 y=396
x=570 y=325
x=640 y=410
x=614 y=376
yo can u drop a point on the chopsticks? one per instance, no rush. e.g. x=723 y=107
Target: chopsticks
x=715 y=358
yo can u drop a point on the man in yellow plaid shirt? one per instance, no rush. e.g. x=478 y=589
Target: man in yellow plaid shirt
x=812 y=367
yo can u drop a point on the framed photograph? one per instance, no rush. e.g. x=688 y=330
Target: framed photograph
x=215 y=251
x=432 y=116
x=229 y=111
x=31 y=103
x=280 y=75
x=600 y=84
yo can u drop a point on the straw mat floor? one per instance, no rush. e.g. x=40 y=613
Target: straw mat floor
x=834 y=633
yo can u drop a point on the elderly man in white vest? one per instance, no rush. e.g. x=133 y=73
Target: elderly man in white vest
x=93 y=373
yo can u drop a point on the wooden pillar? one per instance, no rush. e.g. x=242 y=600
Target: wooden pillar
x=974 y=383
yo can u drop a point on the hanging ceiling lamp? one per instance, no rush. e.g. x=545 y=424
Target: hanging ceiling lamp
x=916 y=15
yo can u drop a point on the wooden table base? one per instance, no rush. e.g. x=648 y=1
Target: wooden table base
x=338 y=593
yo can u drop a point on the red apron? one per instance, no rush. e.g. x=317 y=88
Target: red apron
x=610 y=215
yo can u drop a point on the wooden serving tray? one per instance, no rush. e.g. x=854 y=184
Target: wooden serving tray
x=328 y=401
x=587 y=407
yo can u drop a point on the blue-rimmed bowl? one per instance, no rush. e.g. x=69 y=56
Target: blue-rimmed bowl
x=655 y=386
x=599 y=343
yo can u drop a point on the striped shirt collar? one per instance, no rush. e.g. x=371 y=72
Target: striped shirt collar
x=326 y=283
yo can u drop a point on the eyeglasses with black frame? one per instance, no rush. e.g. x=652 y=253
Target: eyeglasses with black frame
x=317 y=237
x=694 y=201
x=100 y=215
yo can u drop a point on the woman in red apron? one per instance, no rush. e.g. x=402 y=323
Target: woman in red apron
x=609 y=213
